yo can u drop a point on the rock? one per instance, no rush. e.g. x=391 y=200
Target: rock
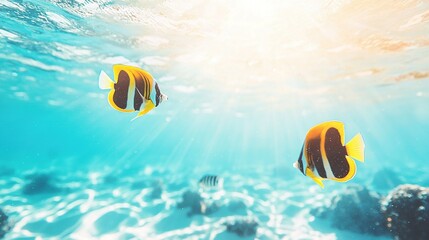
x=243 y=227
x=356 y=209
x=4 y=224
x=407 y=212
x=40 y=184
x=196 y=203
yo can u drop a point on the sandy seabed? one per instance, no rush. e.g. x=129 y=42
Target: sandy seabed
x=143 y=204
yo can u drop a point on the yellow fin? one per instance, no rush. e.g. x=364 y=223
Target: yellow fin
x=149 y=106
x=104 y=81
x=355 y=148
x=317 y=180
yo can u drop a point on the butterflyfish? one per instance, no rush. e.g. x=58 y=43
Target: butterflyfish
x=211 y=181
x=131 y=90
x=324 y=155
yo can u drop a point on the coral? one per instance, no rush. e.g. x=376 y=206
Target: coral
x=356 y=209
x=407 y=212
x=39 y=184
x=243 y=227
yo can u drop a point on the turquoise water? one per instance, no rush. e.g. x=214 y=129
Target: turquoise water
x=245 y=80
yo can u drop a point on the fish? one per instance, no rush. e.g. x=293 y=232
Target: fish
x=211 y=181
x=132 y=90
x=324 y=156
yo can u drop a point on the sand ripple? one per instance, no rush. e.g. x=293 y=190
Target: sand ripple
x=120 y=205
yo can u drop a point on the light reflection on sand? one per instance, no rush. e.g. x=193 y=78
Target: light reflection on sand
x=113 y=209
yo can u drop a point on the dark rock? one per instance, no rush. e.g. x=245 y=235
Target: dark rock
x=244 y=227
x=407 y=212
x=196 y=203
x=386 y=179
x=356 y=209
x=4 y=224
x=40 y=184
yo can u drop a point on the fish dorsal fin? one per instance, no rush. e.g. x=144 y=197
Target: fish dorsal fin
x=356 y=148
x=319 y=130
x=104 y=81
x=116 y=69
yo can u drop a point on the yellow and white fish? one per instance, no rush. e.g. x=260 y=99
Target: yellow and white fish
x=326 y=156
x=132 y=89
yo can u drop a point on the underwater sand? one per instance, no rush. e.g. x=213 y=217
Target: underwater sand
x=127 y=204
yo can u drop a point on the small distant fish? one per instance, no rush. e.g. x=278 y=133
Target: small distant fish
x=211 y=181
x=326 y=156
x=132 y=89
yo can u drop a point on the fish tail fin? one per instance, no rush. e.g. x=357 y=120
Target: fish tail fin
x=355 y=148
x=104 y=81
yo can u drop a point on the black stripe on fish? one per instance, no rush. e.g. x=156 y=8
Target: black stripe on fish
x=300 y=163
x=210 y=183
x=158 y=95
x=120 y=96
x=214 y=181
x=138 y=99
x=336 y=153
x=209 y=180
x=315 y=156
